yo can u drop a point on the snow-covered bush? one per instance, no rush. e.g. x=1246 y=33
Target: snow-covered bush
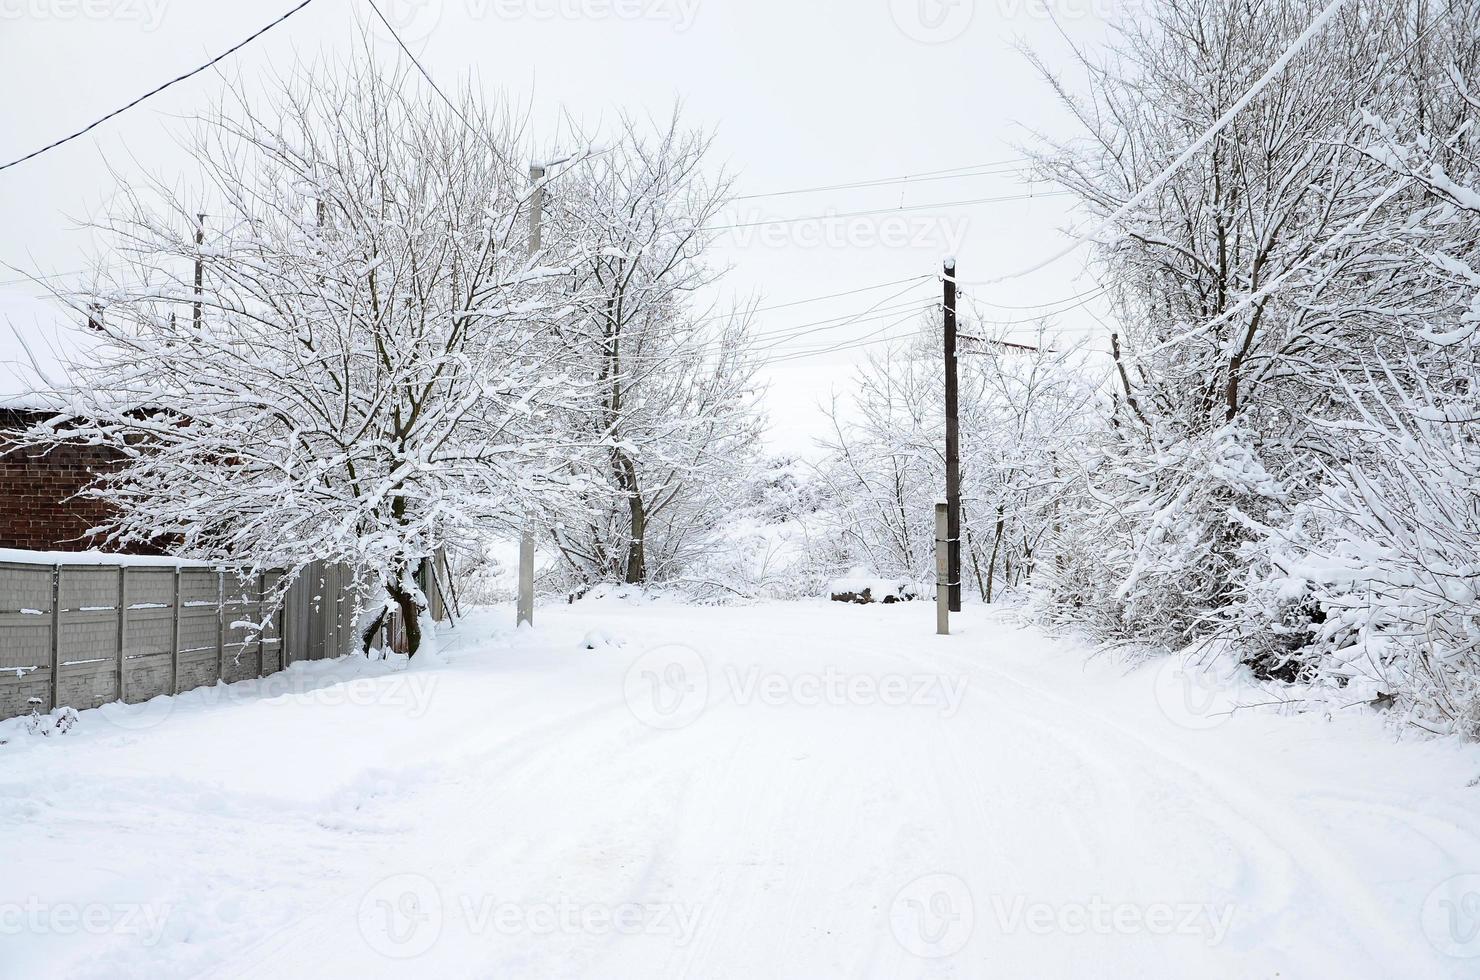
x=1389 y=561
x=776 y=542
x=1289 y=461
x=1158 y=537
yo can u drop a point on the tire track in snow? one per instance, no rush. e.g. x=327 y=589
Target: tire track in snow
x=1280 y=828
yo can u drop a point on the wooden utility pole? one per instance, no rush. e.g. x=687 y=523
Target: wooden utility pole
x=953 y=443
x=526 y=540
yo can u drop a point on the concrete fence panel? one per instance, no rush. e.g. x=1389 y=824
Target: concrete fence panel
x=86 y=634
x=27 y=631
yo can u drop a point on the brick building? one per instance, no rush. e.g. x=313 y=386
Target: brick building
x=39 y=505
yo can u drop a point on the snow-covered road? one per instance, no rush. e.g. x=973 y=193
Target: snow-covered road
x=791 y=790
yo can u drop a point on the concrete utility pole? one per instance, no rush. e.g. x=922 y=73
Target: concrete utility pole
x=942 y=573
x=526 y=540
x=953 y=443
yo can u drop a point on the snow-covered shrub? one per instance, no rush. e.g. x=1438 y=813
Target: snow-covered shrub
x=59 y=721
x=777 y=541
x=1388 y=560
x=1154 y=547
x=1254 y=485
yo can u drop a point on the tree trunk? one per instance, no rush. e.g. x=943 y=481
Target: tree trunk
x=369 y=636
x=636 y=553
x=1230 y=391
x=996 y=546
x=626 y=473
x=976 y=564
x=405 y=601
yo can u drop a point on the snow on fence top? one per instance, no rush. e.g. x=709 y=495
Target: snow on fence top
x=25 y=557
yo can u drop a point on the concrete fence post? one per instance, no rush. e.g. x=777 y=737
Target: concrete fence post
x=56 y=637
x=175 y=638
x=123 y=633
x=220 y=624
x=261 y=625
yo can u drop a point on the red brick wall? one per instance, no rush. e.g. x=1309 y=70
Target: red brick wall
x=39 y=509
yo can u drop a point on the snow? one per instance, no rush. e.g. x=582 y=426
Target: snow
x=24 y=556
x=800 y=789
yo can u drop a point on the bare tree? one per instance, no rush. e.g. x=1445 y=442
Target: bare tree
x=1022 y=408
x=672 y=400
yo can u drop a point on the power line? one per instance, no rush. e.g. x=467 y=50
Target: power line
x=872 y=338
x=857 y=344
x=852 y=345
x=849 y=292
x=39 y=279
x=832 y=323
x=702 y=346
x=978 y=171
x=915 y=307
x=1034 y=306
x=1050 y=310
x=909 y=207
x=776 y=338
x=910 y=310
x=155 y=91
x=424 y=73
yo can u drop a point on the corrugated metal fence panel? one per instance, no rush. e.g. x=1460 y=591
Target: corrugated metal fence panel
x=243 y=652
x=328 y=610
x=308 y=586
x=314 y=595
x=298 y=615
x=349 y=615
x=272 y=634
x=165 y=644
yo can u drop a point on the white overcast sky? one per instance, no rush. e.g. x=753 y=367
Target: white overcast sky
x=801 y=92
